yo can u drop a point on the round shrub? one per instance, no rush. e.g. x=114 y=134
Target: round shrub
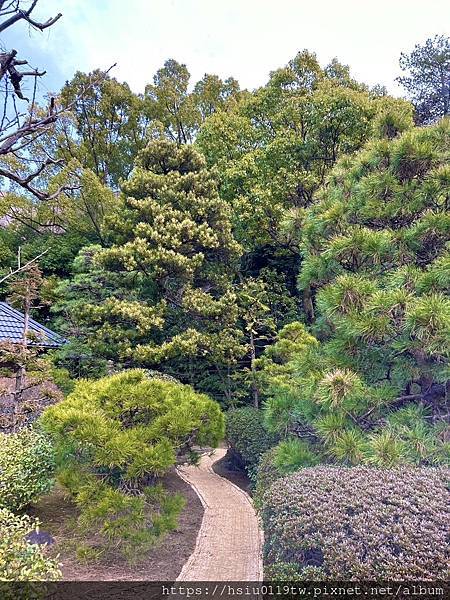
x=26 y=467
x=248 y=436
x=359 y=523
x=20 y=560
x=114 y=437
x=131 y=427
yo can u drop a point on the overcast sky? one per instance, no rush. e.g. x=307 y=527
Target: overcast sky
x=243 y=38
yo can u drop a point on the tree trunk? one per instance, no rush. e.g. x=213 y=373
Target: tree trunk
x=21 y=372
x=308 y=306
x=255 y=391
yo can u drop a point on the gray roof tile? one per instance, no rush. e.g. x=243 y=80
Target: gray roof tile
x=11 y=329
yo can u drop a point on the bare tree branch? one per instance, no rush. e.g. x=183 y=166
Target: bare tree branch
x=26 y=16
x=23 y=267
x=19 y=130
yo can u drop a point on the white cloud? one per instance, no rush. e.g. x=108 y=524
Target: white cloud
x=242 y=38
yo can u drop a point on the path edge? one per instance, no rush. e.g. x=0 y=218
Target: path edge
x=205 y=506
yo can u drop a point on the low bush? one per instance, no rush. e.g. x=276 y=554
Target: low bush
x=20 y=560
x=132 y=522
x=358 y=523
x=247 y=436
x=26 y=468
x=266 y=473
x=288 y=456
x=114 y=437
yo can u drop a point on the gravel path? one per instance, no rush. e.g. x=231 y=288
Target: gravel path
x=229 y=542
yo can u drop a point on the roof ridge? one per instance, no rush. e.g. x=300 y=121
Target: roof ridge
x=35 y=326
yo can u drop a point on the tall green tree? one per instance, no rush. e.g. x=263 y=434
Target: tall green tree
x=105 y=128
x=179 y=111
x=274 y=149
x=171 y=234
x=427 y=78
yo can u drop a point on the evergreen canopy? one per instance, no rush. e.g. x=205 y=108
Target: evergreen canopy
x=373 y=386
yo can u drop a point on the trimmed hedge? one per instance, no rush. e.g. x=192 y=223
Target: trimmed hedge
x=247 y=435
x=20 y=560
x=26 y=468
x=358 y=523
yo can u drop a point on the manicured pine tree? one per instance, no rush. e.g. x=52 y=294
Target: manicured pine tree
x=173 y=233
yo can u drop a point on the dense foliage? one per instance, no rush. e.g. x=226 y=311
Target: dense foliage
x=427 y=78
x=247 y=435
x=21 y=560
x=285 y=248
x=372 y=385
x=266 y=473
x=130 y=426
x=167 y=271
x=114 y=437
x=26 y=468
x=191 y=268
x=358 y=524
x=274 y=148
x=290 y=455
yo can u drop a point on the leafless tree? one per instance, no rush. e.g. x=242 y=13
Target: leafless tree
x=24 y=283
x=22 y=121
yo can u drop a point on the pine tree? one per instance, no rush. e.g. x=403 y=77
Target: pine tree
x=171 y=235
x=427 y=78
x=375 y=387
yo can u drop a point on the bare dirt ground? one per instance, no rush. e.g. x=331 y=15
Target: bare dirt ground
x=162 y=563
x=229 y=542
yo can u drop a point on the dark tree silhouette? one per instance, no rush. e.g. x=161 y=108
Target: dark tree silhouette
x=427 y=78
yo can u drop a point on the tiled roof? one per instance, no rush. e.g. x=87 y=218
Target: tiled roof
x=11 y=329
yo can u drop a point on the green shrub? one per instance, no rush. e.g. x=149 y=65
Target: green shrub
x=288 y=456
x=20 y=560
x=248 y=436
x=135 y=522
x=266 y=473
x=129 y=427
x=61 y=377
x=293 y=454
x=358 y=523
x=26 y=467
x=114 y=437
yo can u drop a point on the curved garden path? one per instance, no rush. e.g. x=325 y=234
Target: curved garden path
x=229 y=543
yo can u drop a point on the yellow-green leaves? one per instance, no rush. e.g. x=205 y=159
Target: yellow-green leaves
x=26 y=468
x=132 y=424
x=21 y=560
x=114 y=437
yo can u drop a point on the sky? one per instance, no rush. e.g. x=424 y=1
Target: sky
x=245 y=39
